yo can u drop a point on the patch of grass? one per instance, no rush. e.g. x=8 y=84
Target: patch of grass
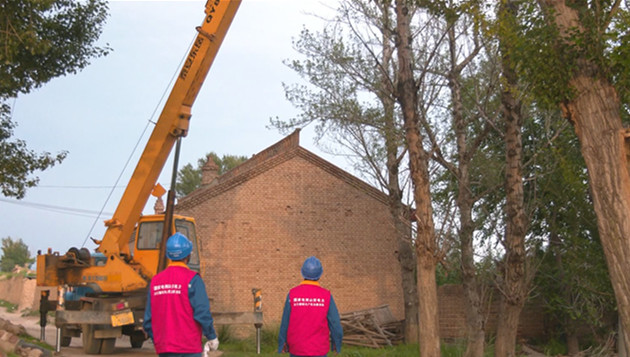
x=247 y=348
x=225 y=334
x=347 y=351
x=35 y=341
x=269 y=336
x=233 y=347
x=458 y=348
x=9 y=306
x=30 y=312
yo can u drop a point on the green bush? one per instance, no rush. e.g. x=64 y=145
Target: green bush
x=555 y=347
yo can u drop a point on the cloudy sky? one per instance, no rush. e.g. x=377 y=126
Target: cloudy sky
x=99 y=114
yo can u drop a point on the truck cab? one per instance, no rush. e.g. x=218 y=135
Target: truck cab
x=144 y=244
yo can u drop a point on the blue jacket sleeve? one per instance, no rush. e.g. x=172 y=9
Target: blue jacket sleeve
x=146 y=323
x=284 y=326
x=334 y=325
x=201 y=306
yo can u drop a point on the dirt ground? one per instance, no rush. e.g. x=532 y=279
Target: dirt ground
x=31 y=324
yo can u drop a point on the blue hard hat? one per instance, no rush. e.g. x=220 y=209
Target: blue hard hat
x=178 y=247
x=312 y=269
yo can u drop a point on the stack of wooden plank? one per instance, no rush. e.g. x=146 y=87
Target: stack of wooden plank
x=374 y=327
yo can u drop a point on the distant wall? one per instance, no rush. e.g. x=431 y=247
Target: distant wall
x=23 y=292
x=26 y=294
x=452 y=312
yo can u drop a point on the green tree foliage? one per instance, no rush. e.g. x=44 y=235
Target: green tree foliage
x=44 y=39
x=14 y=253
x=548 y=63
x=572 y=280
x=189 y=177
x=40 y=40
x=17 y=162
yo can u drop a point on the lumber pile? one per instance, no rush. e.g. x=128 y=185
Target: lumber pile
x=375 y=327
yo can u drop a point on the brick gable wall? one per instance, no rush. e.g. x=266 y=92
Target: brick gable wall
x=257 y=233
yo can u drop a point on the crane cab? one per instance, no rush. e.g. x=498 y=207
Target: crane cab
x=144 y=244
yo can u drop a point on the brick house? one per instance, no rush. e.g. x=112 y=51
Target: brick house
x=258 y=222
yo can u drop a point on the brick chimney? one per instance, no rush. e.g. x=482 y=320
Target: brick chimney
x=209 y=171
x=159 y=206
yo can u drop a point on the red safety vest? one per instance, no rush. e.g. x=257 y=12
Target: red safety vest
x=174 y=329
x=308 y=333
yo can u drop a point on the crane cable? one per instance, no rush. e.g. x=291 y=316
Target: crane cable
x=149 y=121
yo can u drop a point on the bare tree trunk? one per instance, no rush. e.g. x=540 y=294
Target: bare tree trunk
x=595 y=113
x=475 y=329
x=573 y=343
x=407 y=94
x=513 y=280
x=408 y=261
x=406 y=256
x=509 y=311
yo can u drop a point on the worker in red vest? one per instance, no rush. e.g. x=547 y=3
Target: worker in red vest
x=178 y=309
x=310 y=320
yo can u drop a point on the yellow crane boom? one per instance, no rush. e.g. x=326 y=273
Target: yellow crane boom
x=102 y=296
x=172 y=123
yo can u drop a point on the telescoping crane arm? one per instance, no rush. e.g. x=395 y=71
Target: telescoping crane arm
x=172 y=124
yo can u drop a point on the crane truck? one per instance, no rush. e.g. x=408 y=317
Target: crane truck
x=101 y=295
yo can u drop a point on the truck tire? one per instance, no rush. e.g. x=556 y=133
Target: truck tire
x=66 y=337
x=95 y=346
x=65 y=341
x=92 y=345
x=137 y=340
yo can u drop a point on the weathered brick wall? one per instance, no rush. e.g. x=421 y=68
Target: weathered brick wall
x=258 y=233
x=452 y=312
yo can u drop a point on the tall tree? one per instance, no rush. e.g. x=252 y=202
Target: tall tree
x=585 y=69
x=40 y=40
x=471 y=124
x=426 y=244
x=351 y=100
x=14 y=253
x=514 y=273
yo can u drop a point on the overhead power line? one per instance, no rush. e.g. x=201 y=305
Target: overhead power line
x=79 y=187
x=59 y=209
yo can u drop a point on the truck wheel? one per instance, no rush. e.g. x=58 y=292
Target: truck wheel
x=65 y=341
x=95 y=346
x=108 y=345
x=66 y=337
x=137 y=340
x=92 y=345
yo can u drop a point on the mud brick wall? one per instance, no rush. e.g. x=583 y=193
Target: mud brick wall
x=23 y=292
